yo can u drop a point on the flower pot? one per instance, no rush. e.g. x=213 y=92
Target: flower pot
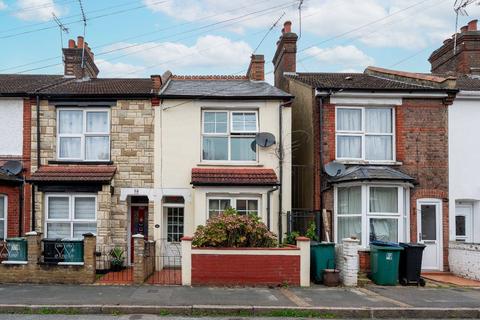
x=331 y=277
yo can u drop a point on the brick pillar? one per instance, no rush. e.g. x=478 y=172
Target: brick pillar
x=138 y=264
x=304 y=244
x=34 y=248
x=187 y=261
x=349 y=270
x=89 y=260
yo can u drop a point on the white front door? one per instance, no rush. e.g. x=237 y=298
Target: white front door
x=429 y=222
x=463 y=222
x=173 y=222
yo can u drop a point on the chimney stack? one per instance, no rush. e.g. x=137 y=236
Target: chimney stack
x=73 y=60
x=156 y=82
x=256 y=69
x=285 y=59
x=465 y=59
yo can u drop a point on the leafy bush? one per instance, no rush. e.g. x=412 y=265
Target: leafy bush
x=311 y=233
x=230 y=229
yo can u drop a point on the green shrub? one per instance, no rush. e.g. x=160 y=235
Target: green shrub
x=231 y=230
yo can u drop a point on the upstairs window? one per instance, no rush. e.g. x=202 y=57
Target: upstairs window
x=229 y=135
x=365 y=133
x=83 y=134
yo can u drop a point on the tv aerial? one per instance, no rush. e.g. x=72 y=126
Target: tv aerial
x=460 y=9
x=334 y=169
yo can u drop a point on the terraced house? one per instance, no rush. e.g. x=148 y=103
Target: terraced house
x=91 y=146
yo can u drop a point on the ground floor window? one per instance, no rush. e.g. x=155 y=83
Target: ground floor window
x=464 y=221
x=243 y=205
x=70 y=215
x=370 y=212
x=3 y=217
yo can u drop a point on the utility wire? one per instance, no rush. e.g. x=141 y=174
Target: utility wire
x=268 y=31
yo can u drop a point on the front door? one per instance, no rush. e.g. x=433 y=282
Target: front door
x=429 y=233
x=138 y=224
x=173 y=222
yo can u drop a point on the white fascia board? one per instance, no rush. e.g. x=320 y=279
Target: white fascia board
x=380 y=98
x=468 y=95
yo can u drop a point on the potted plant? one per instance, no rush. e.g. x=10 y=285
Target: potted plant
x=117 y=259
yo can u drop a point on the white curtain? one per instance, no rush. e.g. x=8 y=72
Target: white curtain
x=58 y=208
x=70 y=121
x=349 y=200
x=349 y=227
x=349 y=119
x=378 y=148
x=85 y=208
x=79 y=229
x=349 y=146
x=97 y=122
x=97 y=148
x=384 y=229
x=70 y=147
x=378 y=120
x=242 y=149
x=215 y=148
x=58 y=230
x=383 y=200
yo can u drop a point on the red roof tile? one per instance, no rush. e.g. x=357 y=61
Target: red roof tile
x=74 y=173
x=233 y=176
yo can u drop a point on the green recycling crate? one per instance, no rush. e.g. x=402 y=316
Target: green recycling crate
x=72 y=250
x=384 y=262
x=17 y=249
x=322 y=256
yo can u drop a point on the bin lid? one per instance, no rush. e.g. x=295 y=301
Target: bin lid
x=388 y=248
x=412 y=245
x=379 y=243
x=16 y=239
x=72 y=240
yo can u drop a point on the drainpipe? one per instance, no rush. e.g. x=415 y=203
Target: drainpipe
x=280 y=162
x=20 y=208
x=318 y=221
x=269 y=193
x=33 y=227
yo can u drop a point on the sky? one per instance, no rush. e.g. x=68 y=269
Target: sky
x=137 y=38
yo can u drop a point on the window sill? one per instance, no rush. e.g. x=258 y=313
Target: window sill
x=364 y=162
x=70 y=263
x=229 y=164
x=92 y=163
x=14 y=262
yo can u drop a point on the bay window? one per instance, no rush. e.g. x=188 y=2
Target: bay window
x=365 y=133
x=229 y=135
x=217 y=205
x=70 y=215
x=83 y=134
x=3 y=217
x=370 y=212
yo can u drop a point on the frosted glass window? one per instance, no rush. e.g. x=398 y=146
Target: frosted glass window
x=97 y=148
x=70 y=121
x=97 y=122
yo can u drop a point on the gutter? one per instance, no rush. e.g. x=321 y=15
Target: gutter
x=377 y=94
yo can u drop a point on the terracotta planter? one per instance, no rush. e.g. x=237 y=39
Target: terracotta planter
x=331 y=277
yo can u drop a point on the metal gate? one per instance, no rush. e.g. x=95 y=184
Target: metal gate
x=168 y=263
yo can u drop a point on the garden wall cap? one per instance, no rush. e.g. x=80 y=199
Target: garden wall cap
x=303 y=239
x=350 y=240
x=186 y=238
x=138 y=235
x=88 y=234
x=31 y=233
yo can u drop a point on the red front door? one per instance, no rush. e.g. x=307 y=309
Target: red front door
x=139 y=224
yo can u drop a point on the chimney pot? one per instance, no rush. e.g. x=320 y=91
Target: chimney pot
x=71 y=43
x=287 y=26
x=463 y=29
x=79 y=42
x=472 y=25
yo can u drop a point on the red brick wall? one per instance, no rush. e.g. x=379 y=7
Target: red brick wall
x=364 y=261
x=27 y=146
x=12 y=193
x=210 y=269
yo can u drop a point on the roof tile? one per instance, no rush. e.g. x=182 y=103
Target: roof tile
x=74 y=173
x=233 y=176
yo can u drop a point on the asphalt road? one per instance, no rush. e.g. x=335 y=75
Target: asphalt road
x=130 y=317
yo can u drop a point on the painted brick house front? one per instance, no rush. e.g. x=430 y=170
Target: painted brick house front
x=391 y=136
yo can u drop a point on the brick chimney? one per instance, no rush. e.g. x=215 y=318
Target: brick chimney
x=285 y=59
x=256 y=69
x=465 y=60
x=73 y=60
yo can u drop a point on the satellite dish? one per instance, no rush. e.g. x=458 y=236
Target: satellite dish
x=265 y=139
x=12 y=167
x=253 y=146
x=334 y=169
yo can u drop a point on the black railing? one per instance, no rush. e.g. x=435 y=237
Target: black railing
x=301 y=220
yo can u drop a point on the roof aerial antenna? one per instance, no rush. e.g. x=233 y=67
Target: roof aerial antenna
x=62 y=29
x=84 y=30
x=268 y=31
x=460 y=9
x=300 y=19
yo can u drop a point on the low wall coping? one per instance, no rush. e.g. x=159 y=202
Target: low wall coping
x=31 y=233
x=302 y=239
x=186 y=238
x=138 y=236
x=464 y=246
x=289 y=248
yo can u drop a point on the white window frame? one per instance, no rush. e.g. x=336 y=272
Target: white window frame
x=5 y=215
x=84 y=133
x=71 y=210
x=362 y=134
x=366 y=215
x=230 y=134
x=469 y=223
x=233 y=202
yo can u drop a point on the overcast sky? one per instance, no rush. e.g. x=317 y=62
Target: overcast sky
x=132 y=38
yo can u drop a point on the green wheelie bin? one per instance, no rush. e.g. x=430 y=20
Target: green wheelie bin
x=322 y=256
x=384 y=262
x=17 y=249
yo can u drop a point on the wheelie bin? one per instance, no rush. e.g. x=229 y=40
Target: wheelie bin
x=322 y=256
x=384 y=260
x=411 y=264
